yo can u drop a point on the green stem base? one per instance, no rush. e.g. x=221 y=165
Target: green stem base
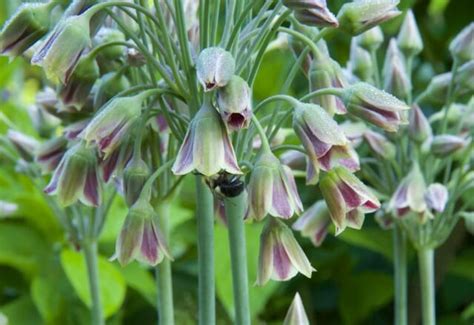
x=90 y=255
x=426 y=269
x=400 y=270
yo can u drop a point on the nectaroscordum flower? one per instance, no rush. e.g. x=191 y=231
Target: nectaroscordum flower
x=272 y=189
x=314 y=223
x=280 y=257
x=347 y=198
x=49 y=154
x=140 y=237
x=446 y=144
x=215 y=67
x=436 y=197
x=206 y=147
x=235 y=103
x=76 y=177
x=409 y=196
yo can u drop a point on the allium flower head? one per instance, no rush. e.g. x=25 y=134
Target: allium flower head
x=76 y=177
x=347 y=198
x=206 y=147
x=27 y=25
x=314 y=223
x=140 y=237
x=215 y=67
x=280 y=257
x=235 y=103
x=325 y=143
x=272 y=189
x=61 y=51
x=375 y=106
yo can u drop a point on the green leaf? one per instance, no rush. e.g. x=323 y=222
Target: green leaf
x=258 y=295
x=374 y=239
x=357 y=302
x=138 y=278
x=111 y=282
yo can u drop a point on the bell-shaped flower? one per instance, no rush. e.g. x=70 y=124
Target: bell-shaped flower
x=76 y=177
x=358 y=16
x=215 y=67
x=28 y=24
x=110 y=126
x=409 y=38
x=396 y=81
x=380 y=144
x=419 y=127
x=280 y=257
x=314 y=223
x=462 y=46
x=50 y=153
x=325 y=143
x=140 y=237
x=375 y=106
x=347 y=198
x=135 y=176
x=409 y=196
x=25 y=145
x=59 y=54
x=447 y=144
x=296 y=314
x=371 y=39
x=235 y=103
x=206 y=147
x=436 y=197
x=317 y=15
x=272 y=189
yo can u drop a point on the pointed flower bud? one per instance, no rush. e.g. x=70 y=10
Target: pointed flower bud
x=50 y=153
x=436 y=197
x=347 y=198
x=312 y=13
x=215 y=67
x=76 y=91
x=60 y=52
x=108 y=86
x=140 y=237
x=380 y=145
x=206 y=147
x=358 y=16
x=325 y=73
x=371 y=39
x=25 y=145
x=296 y=315
x=280 y=257
x=375 y=106
x=314 y=223
x=135 y=176
x=235 y=103
x=361 y=62
x=76 y=177
x=27 y=25
x=409 y=196
x=110 y=126
x=409 y=38
x=107 y=35
x=396 y=81
x=465 y=77
x=325 y=143
x=272 y=189
x=462 y=46
x=419 y=127
x=446 y=144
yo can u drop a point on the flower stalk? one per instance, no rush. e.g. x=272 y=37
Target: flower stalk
x=426 y=270
x=90 y=255
x=400 y=270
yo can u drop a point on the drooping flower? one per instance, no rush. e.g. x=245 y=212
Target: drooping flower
x=409 y=196
x=235 y=103
x=312 y=13
x=61 y=51
x=296 y=314
x=347 y=198
x=380 y=144
x=325 y=143
x=135 y=175
x=140 y=237
x=28 y=24
x=49 y=154
x=76 y=177
x=206 y=147
x=436 y=197
x=272 y=189
x=358 y=16
x=215 y=67
x=375 y=106
x=280 y=257
x=446 y=144
x=314 y=223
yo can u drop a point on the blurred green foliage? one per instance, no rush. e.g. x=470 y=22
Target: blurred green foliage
x=43 y=279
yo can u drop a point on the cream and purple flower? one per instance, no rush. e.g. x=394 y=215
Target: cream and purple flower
x=314 y=223
x=235 y=103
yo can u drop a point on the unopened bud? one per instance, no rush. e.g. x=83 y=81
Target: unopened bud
x=110 y=85
x=446 y=144
x=462 y=46
x=409 y=38
x=107 y=35
x=419 y=127
x=371 y=39
x=380 y=144
x=235 y=103
x=135 y=176
x=296 y=314
x=361 y=62
x=215 y=67
x=397 y=81
x=312 y=12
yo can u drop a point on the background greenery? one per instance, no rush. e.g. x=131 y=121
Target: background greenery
x=43 y=279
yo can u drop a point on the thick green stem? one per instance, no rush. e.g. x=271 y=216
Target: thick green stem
x=205 y=223
x=163 y=271
x=426 y=269
x=235 y=210
x=90 y=254
x=400 y=270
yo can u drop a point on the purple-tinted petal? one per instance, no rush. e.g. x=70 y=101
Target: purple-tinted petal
x=149 y=244
x=91 y=188
x=350 y=197
x=281 y=206
x=184 y=160
x=283 y=269
x=436 y=197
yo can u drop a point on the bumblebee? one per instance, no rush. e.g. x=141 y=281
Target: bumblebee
x=226 y=185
